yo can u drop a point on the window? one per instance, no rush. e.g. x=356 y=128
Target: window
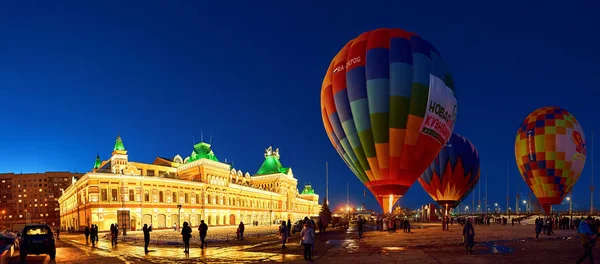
x=150 y=172
x=161 y=197
x=197 y=198
x=174 y=197
x=103 y=195
x=187 y=198
x=131 y=198
x=146 y=196
x=114 y=195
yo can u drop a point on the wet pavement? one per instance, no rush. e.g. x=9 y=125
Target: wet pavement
x=426 y=245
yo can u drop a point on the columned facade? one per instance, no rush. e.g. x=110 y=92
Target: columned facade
x=171 y=191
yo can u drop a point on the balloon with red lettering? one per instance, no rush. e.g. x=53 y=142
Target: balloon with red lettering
x=550 y=150
x=388 y=106
x=453 y=174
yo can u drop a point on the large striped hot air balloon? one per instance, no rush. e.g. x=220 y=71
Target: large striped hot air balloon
x=550 y=150
x=453 y=174
x=388 y=107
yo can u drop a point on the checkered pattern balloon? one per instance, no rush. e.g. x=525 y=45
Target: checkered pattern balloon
x=550 y=150
x=388 y=107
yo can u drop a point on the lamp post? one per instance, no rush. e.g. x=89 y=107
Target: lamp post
x=526 y=207
x=570 y=208
x=179 y=220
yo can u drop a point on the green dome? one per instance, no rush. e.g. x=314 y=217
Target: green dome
x=202 y=151
x=98 y=162
x=272 y=165
x=308 y=189
x=119 y=144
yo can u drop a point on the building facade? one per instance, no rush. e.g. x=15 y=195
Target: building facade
x=171 y=191
x=32 y=197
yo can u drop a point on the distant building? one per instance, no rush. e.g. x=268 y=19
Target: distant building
x=32 y=197
x=170 y=191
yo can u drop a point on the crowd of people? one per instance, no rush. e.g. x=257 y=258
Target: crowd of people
x=391 y=223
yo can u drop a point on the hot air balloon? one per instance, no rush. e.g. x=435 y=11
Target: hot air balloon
x=388 y=107
x=453 y=174
x=550 y=150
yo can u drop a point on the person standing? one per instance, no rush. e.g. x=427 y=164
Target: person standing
x=587 y=235
x=186 y=233
x=538 y=228
x=203 y=228
x=360 y=227
x=289 y=227
x=112 y=234
x=146 y=231
x=86 y=232
x=241 y=229
x=283 y=232
x=469 y=236
x=308 y=239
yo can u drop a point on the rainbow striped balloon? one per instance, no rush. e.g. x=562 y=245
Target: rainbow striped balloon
x=388 y=106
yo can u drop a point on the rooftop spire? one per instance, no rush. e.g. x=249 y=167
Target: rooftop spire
x=98 y=162
x=119 y=144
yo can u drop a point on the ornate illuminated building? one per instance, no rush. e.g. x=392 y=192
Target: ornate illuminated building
x=199 y=187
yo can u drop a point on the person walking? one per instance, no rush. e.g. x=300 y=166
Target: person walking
x=283 y=232
x=241 y=230
x=86 y=232
x=469 y=236
x=146 y=230
x=587 y=235
x=203 y=229
x=308 y=239
x=360 y=227
x=93 y=235
x=186 y=233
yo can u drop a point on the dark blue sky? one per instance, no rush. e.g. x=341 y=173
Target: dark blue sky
x=74 y=74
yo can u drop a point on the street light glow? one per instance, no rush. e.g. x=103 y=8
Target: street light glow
x=568 y=198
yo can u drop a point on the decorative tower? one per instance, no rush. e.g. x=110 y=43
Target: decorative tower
x=98 y=163
x=119 y=159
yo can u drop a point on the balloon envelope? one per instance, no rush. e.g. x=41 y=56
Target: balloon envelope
x=388 y=107
x=550 y=150
x=453 y=174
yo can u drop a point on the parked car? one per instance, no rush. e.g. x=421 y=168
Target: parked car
x=297 y=227
x=37 y=239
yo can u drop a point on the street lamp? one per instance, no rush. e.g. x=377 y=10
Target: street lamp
x=526 y=206
x=570 y=208
x=179 y=207
x=466 y=209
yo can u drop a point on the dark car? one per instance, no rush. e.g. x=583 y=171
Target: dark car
x=37 y=239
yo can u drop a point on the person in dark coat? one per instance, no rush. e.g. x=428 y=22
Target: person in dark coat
x=538 y=228
x=289 y=227
x=360 y=227
x=86 y=232
x=146 y=231
x=469 y=236
x=241 y=230
x=186 y=233
x=203 y=228
x=283 y=232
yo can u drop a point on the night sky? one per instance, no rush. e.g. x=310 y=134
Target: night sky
x=75 y=74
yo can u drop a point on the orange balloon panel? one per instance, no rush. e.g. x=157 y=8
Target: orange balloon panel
x=550 y=150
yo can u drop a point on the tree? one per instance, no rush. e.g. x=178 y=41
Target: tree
x=325 y=210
